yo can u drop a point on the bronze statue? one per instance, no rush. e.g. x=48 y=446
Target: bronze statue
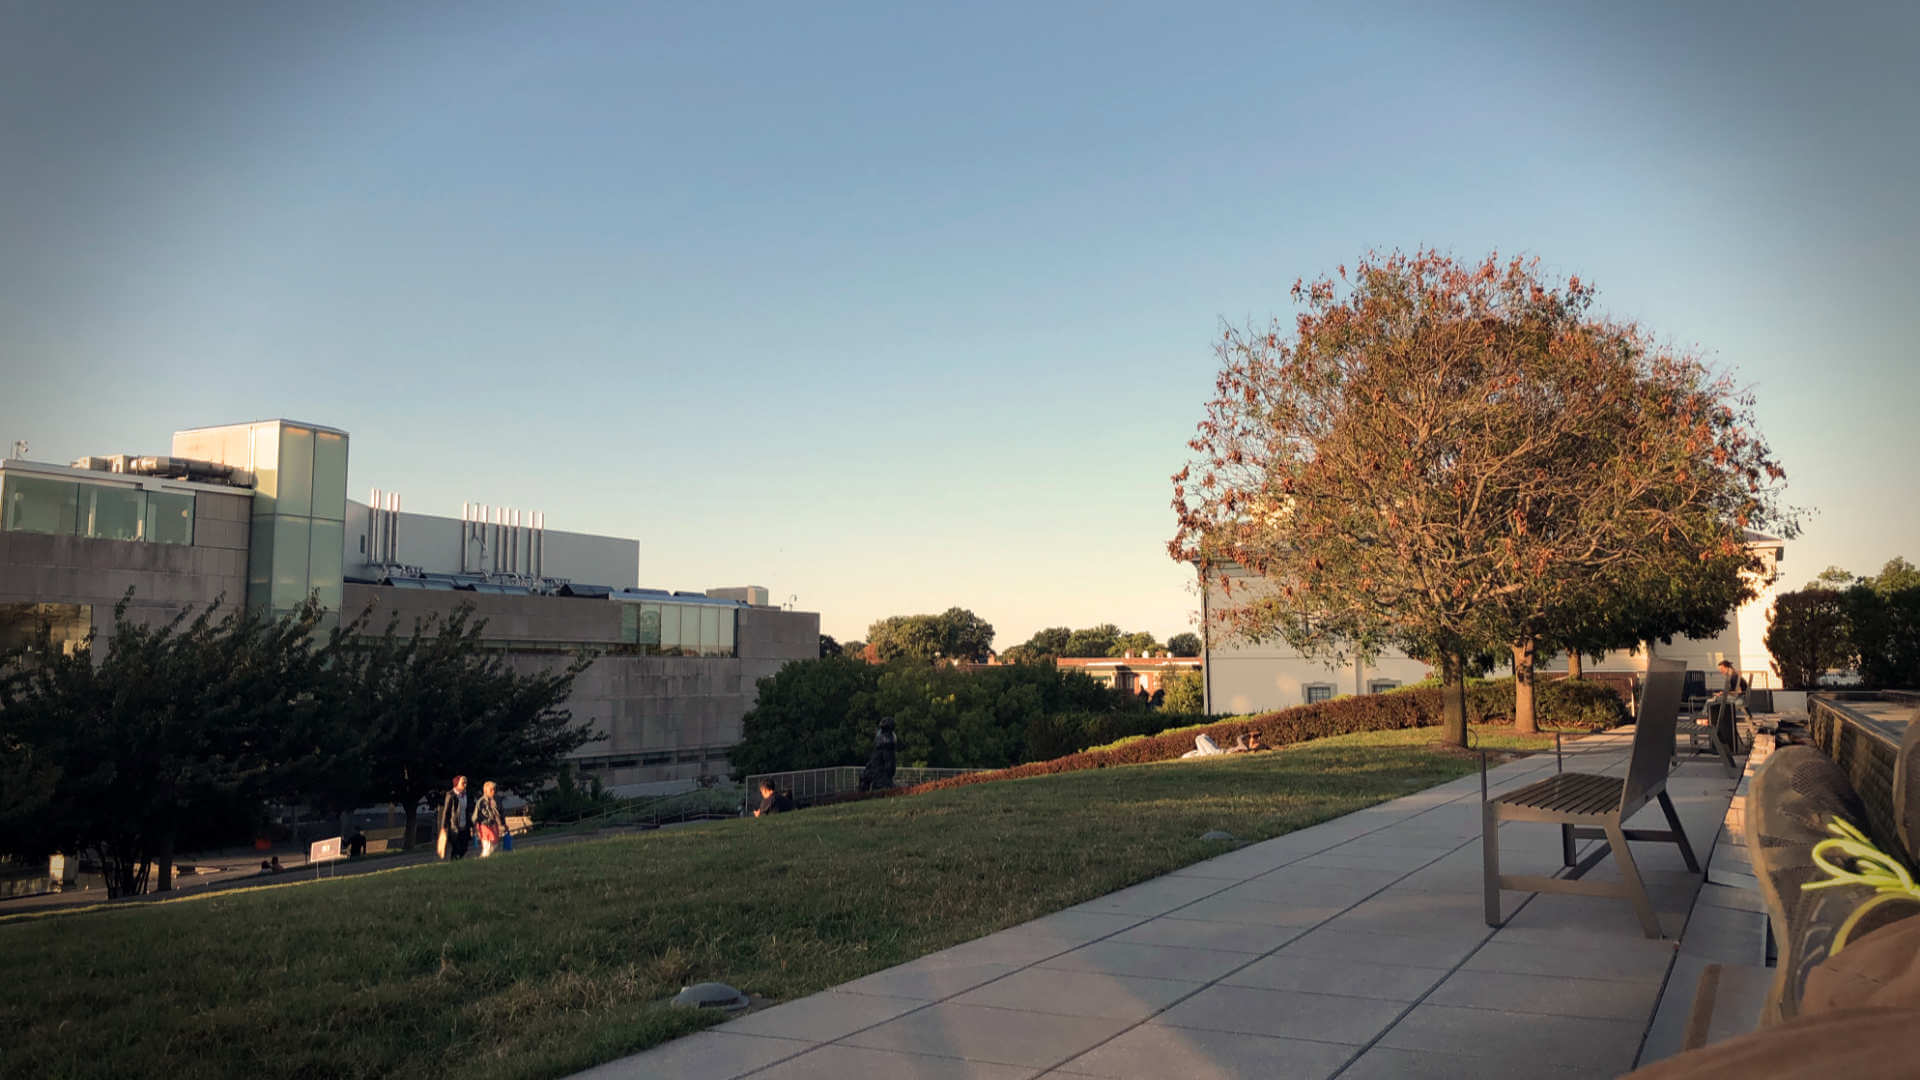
x=878 y=775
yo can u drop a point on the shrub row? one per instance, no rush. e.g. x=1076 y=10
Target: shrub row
x=1562 y=703
x=1059 y=734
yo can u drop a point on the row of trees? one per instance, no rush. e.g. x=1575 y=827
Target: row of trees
x=959 y=634
x=1460 y=458
x=818 y=713
x=1105 y=639
x=176 y=736
x=1840 y=623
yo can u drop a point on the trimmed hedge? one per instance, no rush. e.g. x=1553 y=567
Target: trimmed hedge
x=1058 y=734
x=1588 y=706
x=1568 y=704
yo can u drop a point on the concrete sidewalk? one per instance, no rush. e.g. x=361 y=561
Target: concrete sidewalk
x=1356 y=948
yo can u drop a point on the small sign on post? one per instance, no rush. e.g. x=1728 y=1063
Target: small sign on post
x=323 y=851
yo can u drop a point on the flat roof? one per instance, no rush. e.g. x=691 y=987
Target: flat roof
x=268 y=420
x=96 y=476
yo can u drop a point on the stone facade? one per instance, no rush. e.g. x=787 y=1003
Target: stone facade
x=668 y=719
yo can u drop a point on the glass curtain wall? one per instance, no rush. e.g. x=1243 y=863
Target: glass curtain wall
x=299 y=516
x=668 y=629
x=43 y=504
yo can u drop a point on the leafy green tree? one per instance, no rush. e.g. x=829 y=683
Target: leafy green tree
x=905 y=637
x=439 y=702
x=964 y=635
x=1897 y=575
x=170 y=734
x=1834 y=578
x=1457 y=457
x=1049 y=642
x=1184 y=644
x=810 y=714
x=1101 y=640
x=1186 y=692
x=1808 y=635
x=955 y=634
x=1139 y=643
x=820 y=713
x=828 y=646
x=1648 y=602
x=1883 y=620
x=30 y=772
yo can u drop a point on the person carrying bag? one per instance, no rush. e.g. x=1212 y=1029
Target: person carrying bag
x=489 y=824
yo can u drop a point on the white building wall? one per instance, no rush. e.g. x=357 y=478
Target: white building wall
x=1255 y=678
x=1244 y=677
x=433 y=544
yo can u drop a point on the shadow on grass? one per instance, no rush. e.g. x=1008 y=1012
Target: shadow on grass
x=553 y=959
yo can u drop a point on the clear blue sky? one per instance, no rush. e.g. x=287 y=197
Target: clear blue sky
x=892 y=308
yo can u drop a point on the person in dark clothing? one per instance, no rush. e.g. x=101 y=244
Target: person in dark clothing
x=456 y=821
x=356 y=844
x=1732 y=688
x=772 y=803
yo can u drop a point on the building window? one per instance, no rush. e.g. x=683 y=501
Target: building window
x=96 y=511
x=35 y=504
x=678 y=629
x=169 y=517
x=1381 y=686
x=1318 y=692
x=66 y=626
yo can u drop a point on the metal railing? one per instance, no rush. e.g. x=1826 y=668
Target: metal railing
x=653 y=812
x=813 y=785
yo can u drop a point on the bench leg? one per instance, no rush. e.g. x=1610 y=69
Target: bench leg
x=1724 y=740
x=1630 y=875
x=1567 y=857
x=1490 y=859
x=1679 y=834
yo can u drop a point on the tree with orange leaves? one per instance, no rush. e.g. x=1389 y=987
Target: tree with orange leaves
x=1453 y=458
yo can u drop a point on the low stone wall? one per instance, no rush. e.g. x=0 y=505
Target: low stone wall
x=1852 y=729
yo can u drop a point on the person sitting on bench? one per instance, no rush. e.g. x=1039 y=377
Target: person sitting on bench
x=1720 y=711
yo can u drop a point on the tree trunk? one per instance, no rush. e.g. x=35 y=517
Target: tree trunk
x=1523 y=717
x=1453 y=699
x=1574 y=670
x=166 y=864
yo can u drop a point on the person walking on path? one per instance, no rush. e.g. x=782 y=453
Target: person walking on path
x=456 y=821
x=488 y=822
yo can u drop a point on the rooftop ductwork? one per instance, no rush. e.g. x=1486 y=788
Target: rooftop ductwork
x=175 y=468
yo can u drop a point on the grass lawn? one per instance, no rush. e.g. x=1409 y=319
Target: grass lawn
x=556 y=958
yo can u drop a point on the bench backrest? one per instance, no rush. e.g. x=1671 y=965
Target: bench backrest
x=1653 y=734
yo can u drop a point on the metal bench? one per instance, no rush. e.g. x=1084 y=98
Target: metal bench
x=1590 y=806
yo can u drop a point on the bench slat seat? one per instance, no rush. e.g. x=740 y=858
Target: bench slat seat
x=1585 y=794
x=1591 y=806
